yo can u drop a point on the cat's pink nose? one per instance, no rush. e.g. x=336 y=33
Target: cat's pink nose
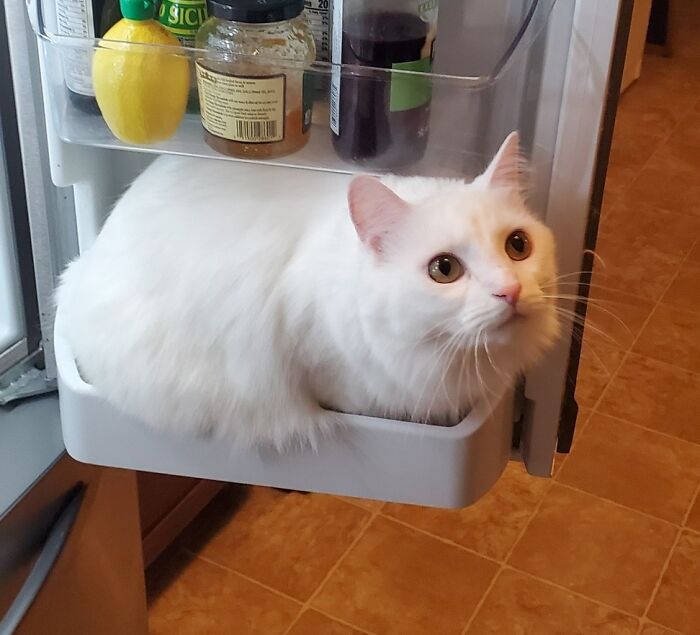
x=510 y=293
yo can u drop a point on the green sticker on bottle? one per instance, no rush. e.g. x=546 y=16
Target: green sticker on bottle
x=410 y=91
x=183 y=18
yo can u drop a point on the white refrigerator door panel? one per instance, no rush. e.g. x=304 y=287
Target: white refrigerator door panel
x=585 y=98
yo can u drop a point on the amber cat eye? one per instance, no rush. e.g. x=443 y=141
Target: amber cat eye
x=518 y=245
x=445 y=268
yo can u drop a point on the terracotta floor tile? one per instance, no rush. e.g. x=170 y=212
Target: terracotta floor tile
x=596 y=548
x=688 y=130
x=314 y=623
x=619 y=315
x=489 y=527
x=694 y=255
x=518 y=604
x=288 y=541
x=671 y=335
x=684 y=292
x=644 y=227
x=656 y=395
x=618 y=178
x=694 y=517
x=677 y=159
x=677 y=602
x=203 y=599
x=632 y=148
x=396 y=580
x=639 y=468
x=655 y=187
x=633 y=115
x=624 y=269
x=597 y=363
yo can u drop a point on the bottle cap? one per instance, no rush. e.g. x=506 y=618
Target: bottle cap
x=137 y=9
x=255 y=11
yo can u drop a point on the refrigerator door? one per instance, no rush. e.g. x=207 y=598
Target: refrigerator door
x=554 y=91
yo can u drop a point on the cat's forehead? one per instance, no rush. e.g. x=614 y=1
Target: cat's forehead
x=478 y=209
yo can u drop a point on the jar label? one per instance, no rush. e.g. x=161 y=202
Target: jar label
x=249 y=109
x=410 y=91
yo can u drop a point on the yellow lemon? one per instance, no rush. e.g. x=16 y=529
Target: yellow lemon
x=141 y=90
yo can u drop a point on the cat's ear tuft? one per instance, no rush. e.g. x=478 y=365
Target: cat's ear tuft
x=506 y=167
x=375 y=210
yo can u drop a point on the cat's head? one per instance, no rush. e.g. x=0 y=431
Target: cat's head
x=461 y=261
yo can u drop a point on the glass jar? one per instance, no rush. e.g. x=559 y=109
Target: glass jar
x=254 y=99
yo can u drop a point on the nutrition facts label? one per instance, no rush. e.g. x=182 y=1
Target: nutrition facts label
x=319 y=18
x=75 y=19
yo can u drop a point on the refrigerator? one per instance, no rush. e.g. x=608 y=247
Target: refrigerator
x=550 y=69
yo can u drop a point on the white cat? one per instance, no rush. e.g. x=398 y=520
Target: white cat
x=236 y=300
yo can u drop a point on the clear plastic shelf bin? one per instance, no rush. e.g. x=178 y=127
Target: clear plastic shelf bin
x=481 y=58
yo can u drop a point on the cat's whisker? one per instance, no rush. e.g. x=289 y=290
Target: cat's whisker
x=596 y=305
x=576 y=319
x=434 y=368
x=493 y=364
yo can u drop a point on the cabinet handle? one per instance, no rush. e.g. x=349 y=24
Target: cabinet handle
x=57 y=537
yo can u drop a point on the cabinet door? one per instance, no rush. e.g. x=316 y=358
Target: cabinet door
x=71 y=560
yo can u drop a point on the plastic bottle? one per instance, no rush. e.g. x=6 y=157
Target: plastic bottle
x=381 y=119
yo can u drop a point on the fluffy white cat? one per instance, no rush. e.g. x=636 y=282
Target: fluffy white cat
x=241 y=301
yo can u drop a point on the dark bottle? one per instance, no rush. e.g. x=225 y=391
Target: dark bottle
x=83 y=19
x=380 y=119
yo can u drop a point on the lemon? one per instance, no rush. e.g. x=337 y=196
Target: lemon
x=141 y=90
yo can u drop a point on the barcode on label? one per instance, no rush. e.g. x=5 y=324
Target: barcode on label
x=257 y=131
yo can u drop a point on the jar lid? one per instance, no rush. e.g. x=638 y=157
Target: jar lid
x=255 y=11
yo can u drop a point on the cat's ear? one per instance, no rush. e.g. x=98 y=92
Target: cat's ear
x=505 y=168
x=375 y=210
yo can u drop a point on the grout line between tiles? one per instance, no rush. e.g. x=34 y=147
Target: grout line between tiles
x=371 y=516
x=618 y=504
x=442 y=539
x=667 y=562
x=644 y=622
x=696 y=499
x=639 y=426
x=578 y=594
x=218 y=565
x=503 y=565
x=625 y=357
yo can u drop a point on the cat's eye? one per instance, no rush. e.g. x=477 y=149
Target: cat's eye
x=518 y=245
x=445 y=268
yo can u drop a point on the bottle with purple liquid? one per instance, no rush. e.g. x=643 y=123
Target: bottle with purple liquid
x=380 y=119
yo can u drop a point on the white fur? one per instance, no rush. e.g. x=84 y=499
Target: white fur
x=231 y=299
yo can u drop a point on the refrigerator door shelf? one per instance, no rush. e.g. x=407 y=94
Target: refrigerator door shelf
x=366 y=457
x=471 y=101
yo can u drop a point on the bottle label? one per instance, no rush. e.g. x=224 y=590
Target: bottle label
x=183 y=18
x=319 y=19
x=249 y=109
x=410 y=91
x=75 y=19
x=336 y=58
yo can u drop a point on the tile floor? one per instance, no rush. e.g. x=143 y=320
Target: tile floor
x=610 y=545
